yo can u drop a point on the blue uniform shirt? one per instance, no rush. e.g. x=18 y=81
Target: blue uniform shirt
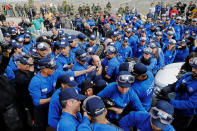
x=65 y=61
x=186 y=103
x=79 y=67
x=91 y=23
x=125 y=52
x=121 y=100
x=54 y=110
x=86 y=126
x=141 y=120
x=144 y=90
x=113 y=67
x=181 y=55
x=68 y=122
x=40 y=86
x=169 y=55
x=160 y=61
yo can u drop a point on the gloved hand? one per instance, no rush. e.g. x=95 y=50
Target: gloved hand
x=161 y=97
x=182 y=88
x=108 y=102
x=167 y=89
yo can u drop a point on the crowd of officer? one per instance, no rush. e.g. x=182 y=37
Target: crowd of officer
x=102 y=78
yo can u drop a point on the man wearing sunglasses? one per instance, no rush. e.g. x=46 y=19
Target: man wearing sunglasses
x=111 y=64
x=143 y=85
x=158 y=119
x=82 y=64
x=122 y=95
x=41 y=88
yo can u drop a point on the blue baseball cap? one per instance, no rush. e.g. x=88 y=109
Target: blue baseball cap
x=143 y=30
x=143 y=39
x=62 y=44
x=125 y=79
x=128 y=30
x=153 y=45
x=42 y=46
x=81 y=55
x=119 y=23
x=102 y=40
x=124 y=67
x=141 y=26
x=47 y=62
x=172 y=41
x=148 y=50
x=21 y=60
x=22 y=29
x=81 y=36
x=7 y=35
x=168 y=19
x=159 y=33
x=139 y=69
x=33 y=51
x=16 y=45
x=165 y=107
x=94 y=106
x=70 y=93
x=68 y=79
x=170 y=33
x=186 y=32
x=90 y=50
x=126 y=39
x=134 y=30
x=92 y=37
x=194 y=20
x=125 y=24
x=20 y=39
x=60 y=32
x=13 y=31
x=111 y=49
x=158 y=18
x=115 y=34
x=27 y=32
x=71 y=38
x=153 y=25
x=27 y=36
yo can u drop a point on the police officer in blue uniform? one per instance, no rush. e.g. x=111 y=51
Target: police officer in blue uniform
x=94 y=108
x=64 y=81
x=185 y=103
x=66 y=58
x=158 y=54
x=70 y=101
x=143 y=85
x=41 y=89
x=7 y=37
x=122 y=95
x=159 y=119
x=177 y=28
x=41 y=49
x=182 y=51
x=141 y=47
x=170 y=52
x=110 y=64
x=92 y=43
x=147 y=59
x=81 y=64
x=72 y=39
x=125 y=51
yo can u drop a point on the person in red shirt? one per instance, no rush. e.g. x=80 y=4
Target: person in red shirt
x=174 y=11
